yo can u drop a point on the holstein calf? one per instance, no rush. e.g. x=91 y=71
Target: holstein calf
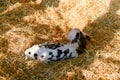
x=48 y=52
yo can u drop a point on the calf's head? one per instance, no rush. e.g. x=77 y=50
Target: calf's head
x=77 y=36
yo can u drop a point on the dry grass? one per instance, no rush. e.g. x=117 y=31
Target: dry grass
x=27 y=22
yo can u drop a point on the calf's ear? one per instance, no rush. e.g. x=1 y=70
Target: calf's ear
x=86 y=36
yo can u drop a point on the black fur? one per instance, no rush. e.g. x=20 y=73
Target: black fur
x=59 y=52
x=50 y=53
x=81 y=41
x=76 y=38
x=52 y=46
x=35 y=55
x=42 y=56
x=65 y=53
x=70 y=54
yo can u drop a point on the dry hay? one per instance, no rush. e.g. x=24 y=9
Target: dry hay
x=24 y=23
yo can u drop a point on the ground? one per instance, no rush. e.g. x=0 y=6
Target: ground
x=24 y=23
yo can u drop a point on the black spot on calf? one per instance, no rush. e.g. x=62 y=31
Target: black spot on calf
x=53 y=46
x=66 y=52
x=76 y=38
x=50 y=53
x=70 y=55
x=35 y=55
x=42 y=56
x=59 y=52
x=50 y=58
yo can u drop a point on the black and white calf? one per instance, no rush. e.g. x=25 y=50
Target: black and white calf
x=48 y=52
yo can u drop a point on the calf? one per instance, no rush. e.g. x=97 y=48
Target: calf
x=48 y=52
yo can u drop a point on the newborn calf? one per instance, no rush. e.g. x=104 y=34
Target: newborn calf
x=48 y=52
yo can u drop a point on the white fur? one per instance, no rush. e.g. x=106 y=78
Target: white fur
x=72 y=34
